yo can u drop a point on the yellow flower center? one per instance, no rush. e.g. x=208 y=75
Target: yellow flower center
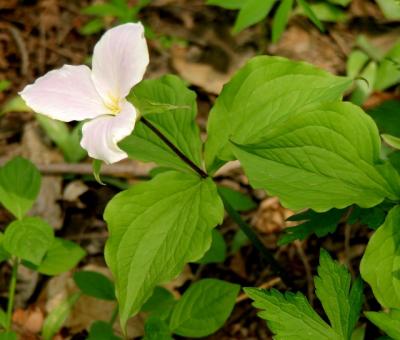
x=113 y=105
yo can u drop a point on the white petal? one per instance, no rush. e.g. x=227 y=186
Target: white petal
x=101 y=135
x=65 y=94
x=119 y=60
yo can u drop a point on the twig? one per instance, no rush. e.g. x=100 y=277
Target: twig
x=307 y=268
x=265 y=285
x=21 y=47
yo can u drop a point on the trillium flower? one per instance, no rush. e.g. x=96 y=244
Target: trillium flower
x=77 y=93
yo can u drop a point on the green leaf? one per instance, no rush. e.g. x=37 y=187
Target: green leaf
x=101 y=330
x=28 y=239
x=160 y=303
x=217 y=251
x=372 y=217
x=309 y=12
x=281 y=19
x=356 y=63
x=19 y=186
x=155 y=228
x=390 y=8
x=236 y=199
x=93 y=26
x=15 y=104
x=4 y=84
x=266 y=90
x=228 y=4
x=387 y=117
x=3 y=318
x=364 y=86
x=343 y=3
x=319 y=223
x=392 y=141
x=95 y=284
x=388 y=73
x=203 y=308
x=156 y=329
x=289 y=316
x=251 y=12
x=380 y=265
x=54 y=321
x=178 y=125
x=4 y=254
x=341 y=301
x=239 y=240
x=358 y=333
x=8 y=336
x=388 y=322
x=103 y=10
x=327 y=12
x=62 y=256
x=68 y=141
x=329 y=153
x=96 y=168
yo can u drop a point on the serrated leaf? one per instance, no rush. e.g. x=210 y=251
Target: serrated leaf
x=237 y=200
x=28 y=239
x=160 y=303
x=388 y=322
x=329 y=153
x=217 y=251
x=156 y=328
x=57 y=316
x=19 y=186
x=251 y=12
x=155 y=228
x=62 y=256
x=341 y=301
x=380 y=264
x=95 y=284
x=372 y=217
x=101 y=330
x=203 y=308
x=281 y=19
x=289 y=316
x=177 y=125
x=266 y=90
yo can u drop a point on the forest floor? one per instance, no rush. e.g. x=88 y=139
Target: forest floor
x=195 y=42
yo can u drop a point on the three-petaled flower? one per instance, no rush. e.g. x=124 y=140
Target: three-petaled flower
x=77 y=93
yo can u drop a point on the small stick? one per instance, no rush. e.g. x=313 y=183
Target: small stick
x=265 y=285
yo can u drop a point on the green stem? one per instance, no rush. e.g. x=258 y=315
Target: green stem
x=252 y=236
x=11 y=293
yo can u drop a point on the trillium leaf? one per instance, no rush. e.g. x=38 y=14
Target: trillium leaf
x=178 y=125
x=329 y=154
x=28 y=239
x=19 y=186
x=266 y=90
x=203 y=308
x=380 y=265
x=388 y=322
x=155 y=228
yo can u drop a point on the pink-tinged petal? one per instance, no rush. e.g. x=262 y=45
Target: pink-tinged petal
x=119 y=60
x=65 y=94
x=101 y=135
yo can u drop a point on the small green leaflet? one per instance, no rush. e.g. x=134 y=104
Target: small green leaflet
x=160 y=303
x=178 y=125
x=264 y=91
x=101 y=330
x=236 y=199
x=392 y=141
x=330 y=153
x=290 y=316
x=380 y=264
x=217 y=251
x=28 y=239
x=388 y=73
x=388 y=322
x=203 y=308
x=155 y=228
x=281 y=19
x=95 y=284
x=156 y=328
x=19 y=186
x=251 y=12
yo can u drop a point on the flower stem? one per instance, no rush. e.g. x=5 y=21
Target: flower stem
x=11 y=293
x=173 y=147
x=252 y=236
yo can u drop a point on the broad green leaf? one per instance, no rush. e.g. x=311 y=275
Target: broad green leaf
x=177 y=125
x=251 y=12
x=155 y=228
x=68 y=141
x=388 y=73
x=356 y=63
x=329 y=154
x=281 y=19
x=390 y=8
x=62 y=256
x=236 y=199
x=319 y=223
x=203 y=308
x=19 y=186
x=266 y=90
x=289 y=316
x=217 y=251
x=388 y=322
x=228 y=4
x=160 y=303
x=101 y=330
x=28 y=239
x=326 y=12
x=364 y=86
x=8 y=336
x=380 y=265
x=387 y=117
x=392 y=141
x=309 y=12
x=95 y=284
x=57 y=316
x=156 y=328
x=341 y=301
